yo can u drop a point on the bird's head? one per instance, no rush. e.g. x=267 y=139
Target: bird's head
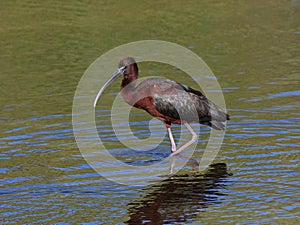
x=128 y=68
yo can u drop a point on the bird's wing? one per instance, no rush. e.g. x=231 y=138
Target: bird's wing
x=177 y=105
x=173 y=100
x=182 y=102
x=205 y=105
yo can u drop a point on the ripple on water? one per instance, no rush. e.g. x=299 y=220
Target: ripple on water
x=285 y=94
x=261 y=153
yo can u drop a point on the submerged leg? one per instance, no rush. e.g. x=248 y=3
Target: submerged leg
x=194 y=138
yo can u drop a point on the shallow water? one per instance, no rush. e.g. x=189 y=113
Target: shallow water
x=252 y=48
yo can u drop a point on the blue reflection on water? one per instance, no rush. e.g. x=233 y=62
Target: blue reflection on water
x=285 y=94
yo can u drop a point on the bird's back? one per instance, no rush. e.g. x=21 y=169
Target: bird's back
x=181 y=102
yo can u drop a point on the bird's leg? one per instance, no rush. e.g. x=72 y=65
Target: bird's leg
x=171 y=139
x=194 y=138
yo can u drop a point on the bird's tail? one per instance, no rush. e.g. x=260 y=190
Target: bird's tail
x=218 y=117
x=218 y=125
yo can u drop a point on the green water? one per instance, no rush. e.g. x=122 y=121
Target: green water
x=253 y=48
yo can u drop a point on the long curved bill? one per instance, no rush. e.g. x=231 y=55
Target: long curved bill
x=116 y=74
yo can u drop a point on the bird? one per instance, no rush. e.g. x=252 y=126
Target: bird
x=167 y=100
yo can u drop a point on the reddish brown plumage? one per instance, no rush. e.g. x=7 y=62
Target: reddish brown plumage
x=167 y=100
x=155 y=96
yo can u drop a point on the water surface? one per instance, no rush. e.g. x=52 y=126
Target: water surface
x=253 y=49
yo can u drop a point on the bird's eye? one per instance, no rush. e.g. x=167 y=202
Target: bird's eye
x=123 y=69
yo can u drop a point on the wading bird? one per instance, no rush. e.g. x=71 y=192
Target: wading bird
x=167 y=100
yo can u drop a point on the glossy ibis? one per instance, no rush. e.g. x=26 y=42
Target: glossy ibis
x=167 y=100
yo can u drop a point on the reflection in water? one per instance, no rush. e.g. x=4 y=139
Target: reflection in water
x=180 y=197
x=191 y=161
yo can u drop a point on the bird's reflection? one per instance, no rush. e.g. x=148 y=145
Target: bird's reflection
x=179 y=198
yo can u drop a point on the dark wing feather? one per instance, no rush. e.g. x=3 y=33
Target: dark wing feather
x=207 y=108
x=177 y=106
x=182 y=102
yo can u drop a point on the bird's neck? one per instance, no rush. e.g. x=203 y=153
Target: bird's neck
x=128 y=92
x=128 y=84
